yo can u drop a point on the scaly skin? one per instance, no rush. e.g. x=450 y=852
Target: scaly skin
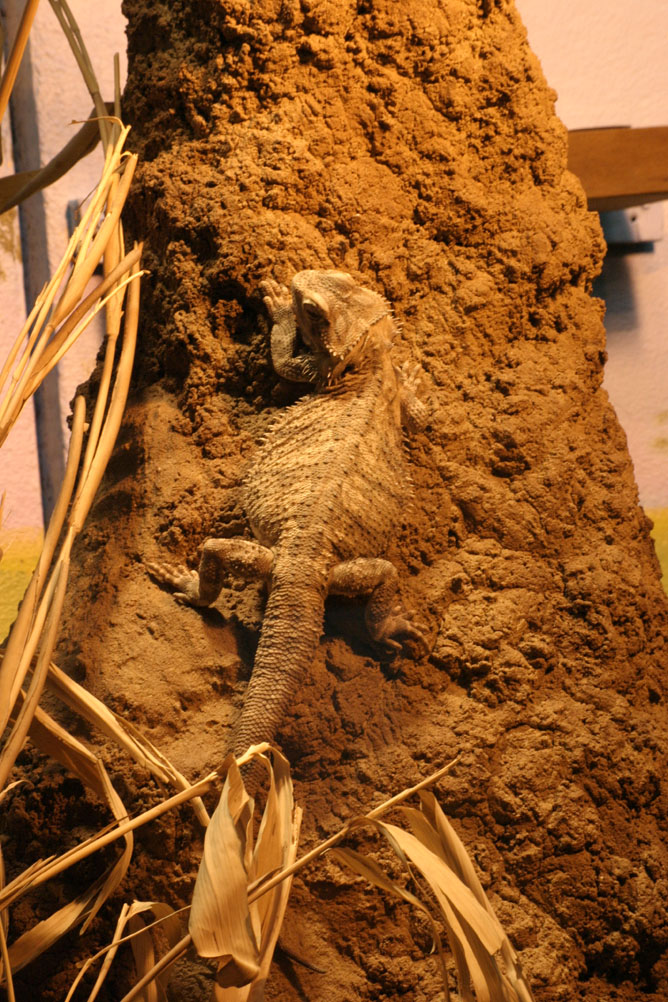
x=323 y=493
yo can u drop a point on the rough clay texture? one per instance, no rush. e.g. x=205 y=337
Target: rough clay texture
x=413 y=144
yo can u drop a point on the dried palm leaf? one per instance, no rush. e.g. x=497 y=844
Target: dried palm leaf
x=73 y=35
x=165 y=917
x=15 y=188
x=45 y=870
x=38 y=617
x=122 y=732
x=224 y=922
x=6 y=964
x=454 y=852
x=473 y=931
x=220 y=921
x=15 y=56
x=60 y=314
x=212 y=924
x=370 y=871
x=143 y=947
x=53 y=740
x=42 y=342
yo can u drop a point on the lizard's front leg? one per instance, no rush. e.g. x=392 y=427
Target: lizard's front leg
x=386 y=618
x=414 y=411
x=242 y=557
x=300 y=368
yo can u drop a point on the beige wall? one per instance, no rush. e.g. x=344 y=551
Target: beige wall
x=608 y=63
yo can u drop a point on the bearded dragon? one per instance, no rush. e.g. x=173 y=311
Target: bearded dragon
x=324 y=492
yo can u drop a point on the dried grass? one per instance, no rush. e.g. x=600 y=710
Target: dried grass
x=15 y=188
x=244 y=881
x=62 y=311
x=16 y=54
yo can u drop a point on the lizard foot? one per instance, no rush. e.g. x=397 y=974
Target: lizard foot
x=184 y=582
x=397 y=633
x=414 y=411
x=276 y=297
x=410 y=374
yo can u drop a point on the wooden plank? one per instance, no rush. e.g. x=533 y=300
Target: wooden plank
x=620 y=167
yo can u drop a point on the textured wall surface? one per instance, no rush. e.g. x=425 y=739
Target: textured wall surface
x=416 y=146
x=607 y=64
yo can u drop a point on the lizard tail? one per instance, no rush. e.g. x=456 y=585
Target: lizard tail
x=291 y=630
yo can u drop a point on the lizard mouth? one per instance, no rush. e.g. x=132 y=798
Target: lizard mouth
x=336 y=334
x=338 y=363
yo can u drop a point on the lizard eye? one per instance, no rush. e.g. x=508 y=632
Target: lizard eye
x=314 y=312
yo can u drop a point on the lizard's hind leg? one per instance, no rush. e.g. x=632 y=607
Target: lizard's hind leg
x=386 y=618
x=244 y=558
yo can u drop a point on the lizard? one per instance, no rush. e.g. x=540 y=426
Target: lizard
x=324 y=491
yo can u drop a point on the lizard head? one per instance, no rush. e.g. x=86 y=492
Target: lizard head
x=338 y=319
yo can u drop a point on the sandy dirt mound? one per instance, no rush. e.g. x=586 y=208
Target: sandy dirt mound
x=414 y=145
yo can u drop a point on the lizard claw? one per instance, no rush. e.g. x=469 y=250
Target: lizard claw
x=410 y=374
x=398 y=633
x=184 y=582
x=415 y=640
x=276 y=297
x=414 y=412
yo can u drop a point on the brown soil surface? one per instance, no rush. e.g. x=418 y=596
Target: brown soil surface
x=415 y=145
